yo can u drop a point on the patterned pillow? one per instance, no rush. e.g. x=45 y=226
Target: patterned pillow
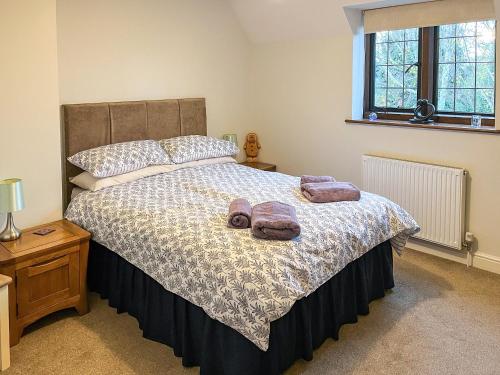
x=197 y=147
x=119 y=158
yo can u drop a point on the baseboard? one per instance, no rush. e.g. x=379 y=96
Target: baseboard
x=486 y=262
x=436 y=250
x=480 y=259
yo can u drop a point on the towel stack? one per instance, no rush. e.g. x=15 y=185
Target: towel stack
x=269 y=220
x=325 y=189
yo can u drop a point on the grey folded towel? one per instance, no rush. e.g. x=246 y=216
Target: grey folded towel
x=275 y=221
x=306 y=179
x=240 y=213
x=325 y=192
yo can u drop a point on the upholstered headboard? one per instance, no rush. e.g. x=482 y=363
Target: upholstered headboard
x=96 y=124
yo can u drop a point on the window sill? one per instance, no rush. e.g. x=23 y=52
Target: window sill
x=435 y=126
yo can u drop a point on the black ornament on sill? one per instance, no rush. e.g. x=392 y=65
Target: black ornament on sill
x=424 y=112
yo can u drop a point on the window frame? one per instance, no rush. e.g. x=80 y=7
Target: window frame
x=427 y=82
x=435 y=83
x=371 y=83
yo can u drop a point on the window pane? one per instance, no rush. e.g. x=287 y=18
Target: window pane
x=446 y=100
x=447 y=31
x=411 y=34
x=395 y=52
x=396 y=35
x=410 y=98
x=485 y=101
x=381 y=76
x=485 y=76
x=466 y=29
x=380 y=97
x=394 y=98
x=411 y=76
x=466 y=49
x=381 y=53
x=485 y=51
x=395 y=76
x=464 y=100
x=466 y=76
x=447 y=50
x=486 y=29
x=411 y=52
x=446 y=74
x=466 y=68
x=382 y=36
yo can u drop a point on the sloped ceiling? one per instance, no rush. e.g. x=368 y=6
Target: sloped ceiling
x=280 y=20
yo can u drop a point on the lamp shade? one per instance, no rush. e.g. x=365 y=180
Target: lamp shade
x=11 y=195
x=231 y=138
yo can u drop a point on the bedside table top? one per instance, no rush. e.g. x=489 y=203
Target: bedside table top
x=65 y=233
x=259 y=165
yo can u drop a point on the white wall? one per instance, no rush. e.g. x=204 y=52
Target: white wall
x=303 y=91
x=294 y=94
x=155 y=49
x=108 y=51
x=29 y=109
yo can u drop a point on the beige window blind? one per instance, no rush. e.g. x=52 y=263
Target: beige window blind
x=432 y=13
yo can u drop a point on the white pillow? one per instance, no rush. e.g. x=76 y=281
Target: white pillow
x=197 y=147
x=119 y=158
x=88 y=182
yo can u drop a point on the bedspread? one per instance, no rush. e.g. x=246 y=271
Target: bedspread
x=173 y=226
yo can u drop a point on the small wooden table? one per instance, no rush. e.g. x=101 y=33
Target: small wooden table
x=49 y=273
x=260 y=165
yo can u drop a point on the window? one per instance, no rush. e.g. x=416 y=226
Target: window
x=466 y=68
x=396 y=69
x=451 y=65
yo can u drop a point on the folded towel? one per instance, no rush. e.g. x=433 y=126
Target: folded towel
x=306 y=179
x=324 y=192
x=240 y=213
x=274 y=221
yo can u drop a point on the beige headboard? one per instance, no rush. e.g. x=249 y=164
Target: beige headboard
x=96 y=124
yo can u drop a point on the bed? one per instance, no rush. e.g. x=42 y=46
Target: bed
x=222 y=299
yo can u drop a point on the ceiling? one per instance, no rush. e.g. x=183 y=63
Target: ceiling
x=267 y=21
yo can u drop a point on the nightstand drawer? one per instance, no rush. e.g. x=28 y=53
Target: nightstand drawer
x=44 y=284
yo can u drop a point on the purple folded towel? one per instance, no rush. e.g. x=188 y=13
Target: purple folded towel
x=325 y=192
x=240 y=213
x=275 y=221
x=306 y=179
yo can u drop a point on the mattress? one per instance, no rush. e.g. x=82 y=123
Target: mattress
x=172 y=226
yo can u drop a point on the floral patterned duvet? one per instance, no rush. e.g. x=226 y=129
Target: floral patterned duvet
x=173 y=226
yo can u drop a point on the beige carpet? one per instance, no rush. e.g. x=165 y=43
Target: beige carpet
x=440 y=319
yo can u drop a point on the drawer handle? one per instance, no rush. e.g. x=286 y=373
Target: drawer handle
x=47 y=266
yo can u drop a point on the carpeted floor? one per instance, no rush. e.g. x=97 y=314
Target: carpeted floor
x=440 y=319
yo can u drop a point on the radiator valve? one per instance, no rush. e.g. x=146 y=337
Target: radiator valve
x=469 y=240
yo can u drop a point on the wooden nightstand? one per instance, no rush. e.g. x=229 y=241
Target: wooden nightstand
x=49 y=273
x=259 y=165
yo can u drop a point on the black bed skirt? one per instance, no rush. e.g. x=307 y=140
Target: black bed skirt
x=217 y=348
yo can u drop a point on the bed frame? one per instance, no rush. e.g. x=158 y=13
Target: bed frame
x=89 y=125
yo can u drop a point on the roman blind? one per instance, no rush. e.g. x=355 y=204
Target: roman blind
x=432 y=13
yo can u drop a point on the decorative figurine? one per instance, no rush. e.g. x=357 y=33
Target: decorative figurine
x=252 y=147
x=423 y=112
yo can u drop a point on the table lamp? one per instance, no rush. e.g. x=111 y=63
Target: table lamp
x=11 y=200
x=231 y=138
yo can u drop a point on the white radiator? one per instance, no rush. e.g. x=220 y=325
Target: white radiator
x=433 y=195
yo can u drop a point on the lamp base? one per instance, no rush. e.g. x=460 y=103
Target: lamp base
x=10 y=233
